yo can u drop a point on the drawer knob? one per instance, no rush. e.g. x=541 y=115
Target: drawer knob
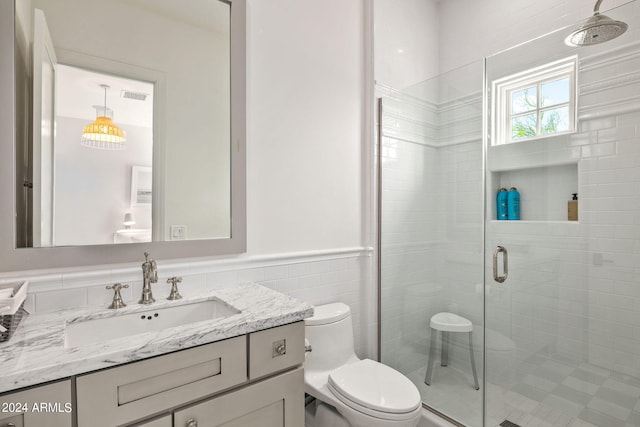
x=192 y=423
x=281 y=349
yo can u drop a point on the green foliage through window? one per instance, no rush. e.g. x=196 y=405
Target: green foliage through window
x=528 y=119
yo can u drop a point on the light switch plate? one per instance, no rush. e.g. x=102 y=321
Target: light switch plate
x=178 y=232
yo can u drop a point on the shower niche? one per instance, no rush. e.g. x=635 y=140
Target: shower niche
x=544 y=171
x=544 y=191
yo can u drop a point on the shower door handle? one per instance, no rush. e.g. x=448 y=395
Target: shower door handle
x=505 y=264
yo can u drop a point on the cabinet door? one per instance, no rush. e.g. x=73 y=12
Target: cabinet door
x=276 y=349
x=49 y=405
x=274 y=402
x=128 y=393
x=164 y=421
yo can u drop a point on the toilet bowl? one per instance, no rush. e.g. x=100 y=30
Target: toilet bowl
x=364 y=392
x=501 y=353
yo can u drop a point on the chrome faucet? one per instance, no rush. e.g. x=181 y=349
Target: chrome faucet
x=149 y=275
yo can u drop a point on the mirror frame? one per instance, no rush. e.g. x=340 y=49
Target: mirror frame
x=13 y=259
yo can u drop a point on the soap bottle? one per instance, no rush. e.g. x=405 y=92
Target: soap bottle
x=513 y=204
x=501 y=204
x=572 y=208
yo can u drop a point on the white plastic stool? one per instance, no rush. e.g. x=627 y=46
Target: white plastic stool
x=448 y=322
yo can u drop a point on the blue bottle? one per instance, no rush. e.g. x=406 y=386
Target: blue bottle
x=501 y=204
x=513 y=204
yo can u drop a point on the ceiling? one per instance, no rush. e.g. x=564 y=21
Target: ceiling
x=78 y=90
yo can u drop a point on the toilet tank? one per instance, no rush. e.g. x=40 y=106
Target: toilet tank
x=330 y=334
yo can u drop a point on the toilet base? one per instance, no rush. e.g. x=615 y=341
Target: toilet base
x=319 y=414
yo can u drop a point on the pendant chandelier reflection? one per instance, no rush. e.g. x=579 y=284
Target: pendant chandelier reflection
x=103 y=133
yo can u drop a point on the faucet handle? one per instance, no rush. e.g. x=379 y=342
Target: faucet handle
x=117 y=298
x=117 y=286
x=174 y=288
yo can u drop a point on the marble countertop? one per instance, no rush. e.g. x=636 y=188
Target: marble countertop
x=36 y=352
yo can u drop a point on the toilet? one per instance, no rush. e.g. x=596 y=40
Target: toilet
x=364 y=393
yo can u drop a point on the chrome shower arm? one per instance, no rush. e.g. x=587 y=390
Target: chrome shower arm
x=596 y=8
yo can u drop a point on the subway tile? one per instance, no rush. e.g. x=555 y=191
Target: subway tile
x=125 y=275
x=221 y=279
x=30 y=303
x=85 y=278
x=271 y=284
x=276 y=272
x=598 y=150
x=288 y=285
x=47 y=302
x=192 y=285
x=250 y=275
x=40 y=283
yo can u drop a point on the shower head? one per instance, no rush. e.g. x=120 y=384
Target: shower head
x=597 y=29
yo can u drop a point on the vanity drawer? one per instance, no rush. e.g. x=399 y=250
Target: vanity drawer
x=49 y=405
x=126 y=393
x=276 y=349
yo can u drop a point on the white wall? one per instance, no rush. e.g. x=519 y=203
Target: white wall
x=407 y=44
x=305 y=95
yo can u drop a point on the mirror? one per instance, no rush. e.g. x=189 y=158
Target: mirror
x=128 y=129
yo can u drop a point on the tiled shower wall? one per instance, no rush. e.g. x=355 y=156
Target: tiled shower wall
x=315 y=277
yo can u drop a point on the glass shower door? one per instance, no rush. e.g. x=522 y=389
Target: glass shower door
x=562 y=331
x=431 y=239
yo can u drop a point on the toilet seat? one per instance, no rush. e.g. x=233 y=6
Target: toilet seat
x=375 y=389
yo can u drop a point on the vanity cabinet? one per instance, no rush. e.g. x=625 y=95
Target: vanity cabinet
x=48 y=405
x=250 y=380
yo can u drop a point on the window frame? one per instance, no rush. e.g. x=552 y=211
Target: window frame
x=503 y=88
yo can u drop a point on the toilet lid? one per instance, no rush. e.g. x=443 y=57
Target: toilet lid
x=374 y=386
x=328 y=313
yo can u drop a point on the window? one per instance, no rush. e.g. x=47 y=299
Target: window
x=536 y=103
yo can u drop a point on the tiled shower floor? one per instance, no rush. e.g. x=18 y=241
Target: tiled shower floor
x=544 y=392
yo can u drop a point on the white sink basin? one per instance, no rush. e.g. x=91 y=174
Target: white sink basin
x=121 y=326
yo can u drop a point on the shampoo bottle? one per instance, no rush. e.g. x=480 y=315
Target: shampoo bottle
x=572 y=208
x=501 y=204
x=513 y=204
